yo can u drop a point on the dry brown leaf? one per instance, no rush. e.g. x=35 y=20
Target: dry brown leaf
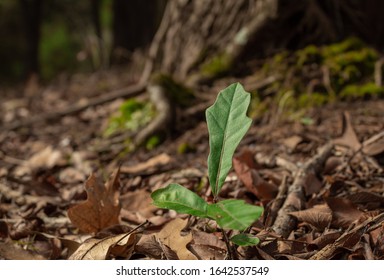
x=139 y=201
x=45 y=159
x=331 y=165
x=323 y=240
x=348 y=138
x=364 y=197
x=70 y=244
x=154 y=162
x=374 y=145
x=9 y=251
x=312 y=184
x=151 y=247
x=102 y=207
x=170 y=236
x=253 y=181
x=121 y=245
x=344 y=212
x=247 y=157
x=292 y=142
x=319 y=216
x=208 y=246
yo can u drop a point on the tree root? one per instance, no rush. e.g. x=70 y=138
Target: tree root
x=295 y=200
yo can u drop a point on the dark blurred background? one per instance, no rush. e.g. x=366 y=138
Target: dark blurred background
x=46 y=38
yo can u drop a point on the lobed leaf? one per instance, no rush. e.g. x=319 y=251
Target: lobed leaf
x=234 y=214
x=180 y=199
x=227 y=124
x=102 y=207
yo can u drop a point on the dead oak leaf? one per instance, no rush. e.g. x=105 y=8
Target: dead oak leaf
x=102 y=207
x=208 y=246
x=319 y=216
x=349 y=137
x=121 y=245
x=344 y=212
x=170 y=236
x=151 y=247
x=253 y=181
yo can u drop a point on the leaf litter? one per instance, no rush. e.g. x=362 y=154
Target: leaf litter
x=333 y=212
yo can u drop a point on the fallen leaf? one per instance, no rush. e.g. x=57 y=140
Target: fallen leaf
x=348 y=137
x=139 y=201
x=70 y=244
x=151 y=247
x=170 y=236
x=312 y=184
x=121 y=245
x=45 y=159
x=363 y=197
x=323 y=240
x=247 y=157
x=292 y=142
x=9 y=251
x=144 y=167
x=344 y=212
x=374 y=145
x=208 y=246
x=319 y=216
x=102 y=207
x=253 y=181
x=331 y=165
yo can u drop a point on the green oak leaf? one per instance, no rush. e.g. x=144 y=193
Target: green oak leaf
x=180 y=199
x=244 y=239
x=227 y=124
x=234 y=213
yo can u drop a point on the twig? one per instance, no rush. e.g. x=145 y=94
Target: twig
x=277 y=202
x=284 y=222
x=130 y=91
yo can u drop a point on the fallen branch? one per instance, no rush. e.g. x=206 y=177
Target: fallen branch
x=295 y=200
x=130 y=91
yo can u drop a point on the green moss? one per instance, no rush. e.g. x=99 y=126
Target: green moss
x=132 y=115
x=316 y=75
x=184 y=148
x=152 y=142
x=314 y=99
x=180 y=94
x=310 y=54
x=347 y=45
x=368 y=90
x=217 y=66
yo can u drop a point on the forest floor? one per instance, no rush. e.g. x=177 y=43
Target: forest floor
x=45 y=170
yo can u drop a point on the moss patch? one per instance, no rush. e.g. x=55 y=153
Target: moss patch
x=316 y=75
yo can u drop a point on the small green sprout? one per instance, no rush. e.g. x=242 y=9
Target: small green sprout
x=227 y=124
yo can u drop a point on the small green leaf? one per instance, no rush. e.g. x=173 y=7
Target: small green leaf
x=234 y=214
x=227 y=124
x=243 y=239
x=180 y=199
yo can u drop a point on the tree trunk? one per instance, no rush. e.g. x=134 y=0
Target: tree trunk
x=200 y=40
x=134 y=25
x=194 y=32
